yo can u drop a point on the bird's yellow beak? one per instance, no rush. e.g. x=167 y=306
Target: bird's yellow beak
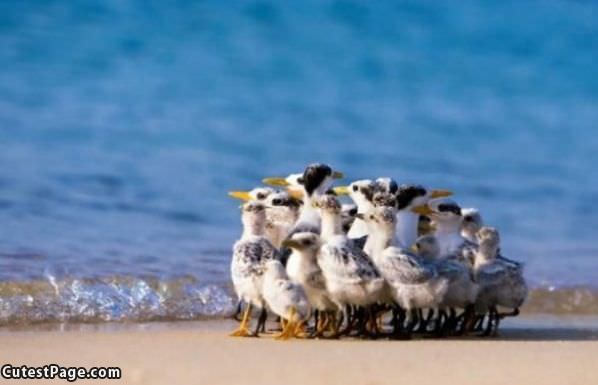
x=341 y=190
x=440 y=194
x=276 y=181
x=295 y=193
x=414 y=248
x=422 y=210
x=242 y=195
x=337 y=175
x=291 y=244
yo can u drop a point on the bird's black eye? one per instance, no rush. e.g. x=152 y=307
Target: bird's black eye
x=371 y=217
x=353 y=212
x=305 y=242
x=355 y=188
x=300 y=180
x=260 y=196
x=467 y=218
x=276 y=202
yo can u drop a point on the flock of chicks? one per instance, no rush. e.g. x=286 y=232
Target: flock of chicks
x=400 y=260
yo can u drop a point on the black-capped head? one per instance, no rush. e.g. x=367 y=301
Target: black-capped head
x=408 y=195
x=449 y=208
x=387 y=185
x=444 y=208
x=315 y=176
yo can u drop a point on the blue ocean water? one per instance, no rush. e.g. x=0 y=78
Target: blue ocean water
x=124 y=123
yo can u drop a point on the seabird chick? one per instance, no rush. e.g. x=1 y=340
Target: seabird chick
x=500 y=280
x=462 y=289
x=472 y=223
x=414 y=284
x=282 y=210
x=285 y=299
x=250 y=253
x=351 y=277
x=303 y=269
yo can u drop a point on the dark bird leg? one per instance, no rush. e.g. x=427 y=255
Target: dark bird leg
x=423 y=323
x=439 y=324
x=413 y=313
x=496 y=324
x=469 y=319
x=261 y=322
x=479 y=323
x=449 y=325
x=491 y=317
x=237 y=315
x=316 y=327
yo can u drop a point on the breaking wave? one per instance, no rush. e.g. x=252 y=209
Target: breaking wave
x=111 y=299
x=132 y=299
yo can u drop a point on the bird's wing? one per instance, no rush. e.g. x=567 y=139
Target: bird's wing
x=348 y=264
x=404 y=268
x=250 y=255
x=450 y=268
x=492 y=274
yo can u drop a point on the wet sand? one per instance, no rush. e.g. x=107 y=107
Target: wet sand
x=202 y=353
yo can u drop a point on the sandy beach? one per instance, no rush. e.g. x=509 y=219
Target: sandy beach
x=202 y=353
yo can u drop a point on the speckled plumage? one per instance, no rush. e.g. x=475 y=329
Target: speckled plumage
x=247 y=267
x=350 y=275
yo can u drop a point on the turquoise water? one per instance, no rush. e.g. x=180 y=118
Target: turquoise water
x=124 y=123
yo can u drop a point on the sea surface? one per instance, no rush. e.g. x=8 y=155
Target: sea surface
x=123 y=124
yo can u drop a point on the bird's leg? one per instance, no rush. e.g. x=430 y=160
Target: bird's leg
x=350 y=318
x=238 y=311
x=413 y=319
x=370 y=323
x=449 y=324
x=289 y=328
x=263 y=329
x=423 y=324
x=335 y=319
x=394 y=321
x=324 y=324
x=469 y=319
x=439 y=324
x=488 y=329
x=497 y=318
x=261 y=322
x=420 y=319
x=299 y=330
x=243 y=330
x=380 y=317
x=479 y=323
